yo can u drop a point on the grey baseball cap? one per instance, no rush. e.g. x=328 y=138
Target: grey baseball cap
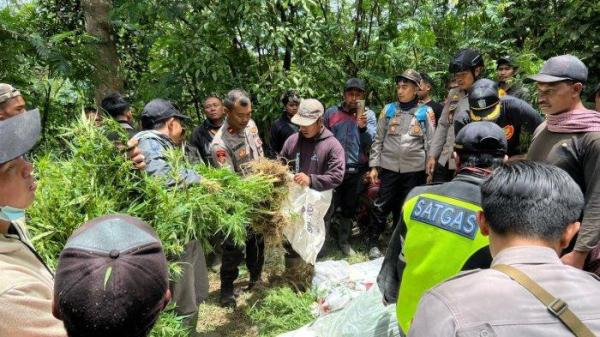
x=561 y=68
x=18 y=134
x=7 y=92
x=158 y=110
x=308 y=113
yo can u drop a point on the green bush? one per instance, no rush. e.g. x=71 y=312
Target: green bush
x=282 y=310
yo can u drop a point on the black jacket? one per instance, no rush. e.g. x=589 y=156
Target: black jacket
x=201 y=138
x=518 y=119
x=281 y=130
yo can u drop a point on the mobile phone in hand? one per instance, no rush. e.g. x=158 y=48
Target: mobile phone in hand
x=360 y=109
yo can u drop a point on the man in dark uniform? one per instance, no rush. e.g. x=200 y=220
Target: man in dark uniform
x=507 y=70
x=516 y=117
x=442 y=234
x=237 y=143
x=283 y=127
x=203 y=134
x=119 y=109
x=425 y=98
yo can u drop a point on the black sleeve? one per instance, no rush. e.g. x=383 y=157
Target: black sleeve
x=529 y=117
x=275 y=142
x=460 y=121
x=390 y=274
x=482 y=259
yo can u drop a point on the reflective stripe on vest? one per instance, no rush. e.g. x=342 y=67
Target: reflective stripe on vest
x=442 y=234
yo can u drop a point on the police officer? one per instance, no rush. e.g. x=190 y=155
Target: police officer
x=398 y=154
x=235 y=144
x=507 y=69
x=516 y=117
x=466 y=67
x=442 y=234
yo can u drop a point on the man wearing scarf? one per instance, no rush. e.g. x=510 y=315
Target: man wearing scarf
x=442 y=233
x=570 y=139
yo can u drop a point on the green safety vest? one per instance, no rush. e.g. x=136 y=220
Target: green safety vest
x=442 y=234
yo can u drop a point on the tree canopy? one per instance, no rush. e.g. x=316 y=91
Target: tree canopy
x=68 y=52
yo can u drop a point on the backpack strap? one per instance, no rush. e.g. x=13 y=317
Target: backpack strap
x=556 y=306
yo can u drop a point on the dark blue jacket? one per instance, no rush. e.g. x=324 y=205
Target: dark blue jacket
x=356 y=142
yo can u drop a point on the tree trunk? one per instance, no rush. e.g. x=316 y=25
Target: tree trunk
x=97 y=23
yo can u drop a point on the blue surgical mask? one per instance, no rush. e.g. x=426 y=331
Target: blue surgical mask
x=8 y=213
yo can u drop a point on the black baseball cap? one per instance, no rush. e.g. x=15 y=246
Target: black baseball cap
x=484 y=100
x=506 y=59
x=354 y=83
x=111 y=279
x=158 y=110
x=562 y=68
x=18 y=134
x=481 y=137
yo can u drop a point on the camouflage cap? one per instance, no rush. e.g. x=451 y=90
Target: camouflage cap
x=410 y=75
x=309 y=111
x=8 y=92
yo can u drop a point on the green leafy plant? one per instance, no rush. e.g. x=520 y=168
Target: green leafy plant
x=282 y=310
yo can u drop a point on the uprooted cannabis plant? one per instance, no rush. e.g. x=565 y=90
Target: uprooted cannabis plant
x=88 y=176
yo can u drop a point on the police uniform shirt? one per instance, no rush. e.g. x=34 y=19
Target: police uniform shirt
x=442 y=144
x=489 y=303
x=402 y=139
x=234 y=149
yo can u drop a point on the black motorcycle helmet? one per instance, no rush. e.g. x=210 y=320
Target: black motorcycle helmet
x=484 y=101
x=465 y=60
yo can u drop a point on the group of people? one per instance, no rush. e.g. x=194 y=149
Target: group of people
x=519 y=230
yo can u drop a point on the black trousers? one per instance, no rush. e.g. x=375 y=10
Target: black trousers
x=392 y=192
x=442 y=174
x=233 y=255
x=347 y=195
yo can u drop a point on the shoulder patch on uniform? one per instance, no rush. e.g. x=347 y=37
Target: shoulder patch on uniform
x=221 y=156
x=421 y=113
x=390 y=110
x=445 y=216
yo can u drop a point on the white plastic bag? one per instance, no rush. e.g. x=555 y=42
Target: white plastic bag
x=306 y=232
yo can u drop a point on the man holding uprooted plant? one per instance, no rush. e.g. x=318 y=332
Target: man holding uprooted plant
x=163 y=130
x=234 y=145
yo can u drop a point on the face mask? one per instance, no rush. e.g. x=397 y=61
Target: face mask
x=11 y=214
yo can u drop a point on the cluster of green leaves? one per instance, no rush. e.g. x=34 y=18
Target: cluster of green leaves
x=89 y=177
x=282 y=310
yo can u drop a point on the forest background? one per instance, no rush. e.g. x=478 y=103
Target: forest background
x=66 y=54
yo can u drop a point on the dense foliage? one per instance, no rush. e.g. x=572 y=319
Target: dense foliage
x=184 y=50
